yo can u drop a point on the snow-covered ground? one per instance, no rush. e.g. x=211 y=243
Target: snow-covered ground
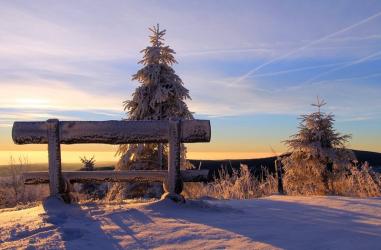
x=276 y=222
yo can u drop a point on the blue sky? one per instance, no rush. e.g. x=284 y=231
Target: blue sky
x=251 y=66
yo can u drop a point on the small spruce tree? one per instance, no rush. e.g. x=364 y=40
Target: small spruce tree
x=88 y=164
x=317 y=152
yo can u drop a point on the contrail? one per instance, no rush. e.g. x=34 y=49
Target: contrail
x=339 y=80
x=361 y=60
x=305 y=68
x=220 y=51
x=350 y=78
x=299 y=69
x=308 y=45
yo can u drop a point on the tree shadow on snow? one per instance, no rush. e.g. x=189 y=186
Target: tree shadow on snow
x=283 y=224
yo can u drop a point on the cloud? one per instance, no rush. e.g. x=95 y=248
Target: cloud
x=345 y=96
x=74 y=56
x=308 y=45
x=8 y=117
x=55 y=95
x=30 y=32
x=349 y=64
x=356 y=38
x=118 y=30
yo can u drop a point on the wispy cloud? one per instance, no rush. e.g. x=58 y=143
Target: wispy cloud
x=346 y=96
x=352 y=63
x=308 y=45
x=55 y=95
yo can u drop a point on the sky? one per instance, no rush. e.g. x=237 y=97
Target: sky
x=252 y=68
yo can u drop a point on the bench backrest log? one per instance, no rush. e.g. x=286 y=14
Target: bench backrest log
x=110 y=132
x=54 y=132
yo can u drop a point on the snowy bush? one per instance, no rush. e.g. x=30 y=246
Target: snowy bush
x=358 y=181
x=88 y=190
x=88 y=164
x=238 y=185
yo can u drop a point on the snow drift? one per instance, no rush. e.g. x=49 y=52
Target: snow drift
x=276 y=222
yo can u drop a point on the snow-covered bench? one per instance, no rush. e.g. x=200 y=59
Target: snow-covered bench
x=54 y=132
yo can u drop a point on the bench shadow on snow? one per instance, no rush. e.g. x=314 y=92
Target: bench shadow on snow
x=124 y=220
x=75 y=224
x=282 y=224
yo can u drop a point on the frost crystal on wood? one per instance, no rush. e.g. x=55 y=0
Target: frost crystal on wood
x=110 y=132
x=54 y=132
x=54 y=149
x=40 y=177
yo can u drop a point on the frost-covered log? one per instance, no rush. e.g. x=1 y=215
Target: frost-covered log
x=56 y=184
x=174 y=183
x=195 y=175
x=41 y=177
x=110 y=132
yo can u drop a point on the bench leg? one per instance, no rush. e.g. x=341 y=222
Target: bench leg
x=278 y=171
x=56 y=182
x=174 y=183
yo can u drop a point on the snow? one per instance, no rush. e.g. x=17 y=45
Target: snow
x=276 y=222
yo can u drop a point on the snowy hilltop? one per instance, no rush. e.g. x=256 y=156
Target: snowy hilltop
x=275 y=222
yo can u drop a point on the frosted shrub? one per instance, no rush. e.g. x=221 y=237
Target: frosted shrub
x=88 y=190
x=356 y=181
x=238 y=185
x=12 y=188
x=88 y=164
x=303 y=177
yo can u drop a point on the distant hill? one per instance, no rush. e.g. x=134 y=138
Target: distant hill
x=373 y=158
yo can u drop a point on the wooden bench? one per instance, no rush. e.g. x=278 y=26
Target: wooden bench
x=54 y=133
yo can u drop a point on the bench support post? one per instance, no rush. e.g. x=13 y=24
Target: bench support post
x=278 y=171
x=174 y=183
x=56 y=182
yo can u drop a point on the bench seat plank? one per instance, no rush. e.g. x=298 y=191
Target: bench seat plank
x=41 y=177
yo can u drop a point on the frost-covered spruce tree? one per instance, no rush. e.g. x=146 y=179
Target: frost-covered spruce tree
x=317 y=152
x=161 y=96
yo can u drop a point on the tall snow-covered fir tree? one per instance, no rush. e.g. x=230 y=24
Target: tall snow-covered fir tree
x=161 y=96
x=317 y=152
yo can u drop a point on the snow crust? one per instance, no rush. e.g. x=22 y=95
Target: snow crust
x=276 y=222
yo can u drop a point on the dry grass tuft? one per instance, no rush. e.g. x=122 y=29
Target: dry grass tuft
x=12 y=189
x=238 y=185
x=347 y=180
x=357 y=182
